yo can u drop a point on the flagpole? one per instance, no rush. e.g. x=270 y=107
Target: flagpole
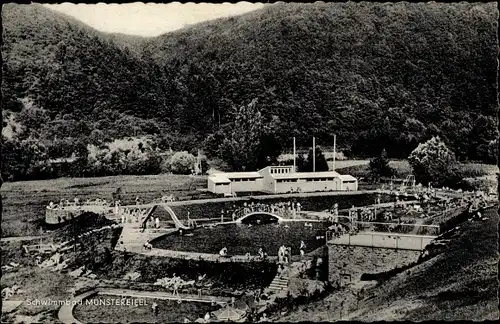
x=314 y=154
x=294 y=163
x=334 y=150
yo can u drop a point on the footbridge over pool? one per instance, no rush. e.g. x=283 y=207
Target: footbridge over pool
x=255 y=214
x=278 y=213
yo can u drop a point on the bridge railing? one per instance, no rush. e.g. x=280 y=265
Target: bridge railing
x=266 y=209
x=402 y=228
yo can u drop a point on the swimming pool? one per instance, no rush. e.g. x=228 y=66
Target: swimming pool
x=311 y=203
x=242 y=238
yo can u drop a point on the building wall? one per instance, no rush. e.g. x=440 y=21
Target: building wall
x=356 y=260
x=211 y=185
x=59 y=216
x=239 y=186
x=267 y=181
x=311 y=186
x=218 y=188
x=271 y=185
x=221 y=188
x=285 y=187
x=350 y=186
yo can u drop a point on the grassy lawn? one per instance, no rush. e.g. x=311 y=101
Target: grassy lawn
x=24 y=202
x=38 y=285
x=168 y=311
x=360 y=168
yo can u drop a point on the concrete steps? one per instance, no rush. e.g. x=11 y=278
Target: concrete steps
x=278 y=284
x=134 y=239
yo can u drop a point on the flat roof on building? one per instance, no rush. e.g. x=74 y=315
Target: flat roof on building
x=347 y=177
x=219 y=178
x=238 y=175
x=306 y=175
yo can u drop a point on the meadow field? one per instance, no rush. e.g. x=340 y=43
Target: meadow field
x=24 y=202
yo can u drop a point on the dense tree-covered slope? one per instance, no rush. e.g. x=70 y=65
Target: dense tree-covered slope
x=378 y=75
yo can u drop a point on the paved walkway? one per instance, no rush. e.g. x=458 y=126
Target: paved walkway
x=163 y=295
x=65 y=313
x=203 y=256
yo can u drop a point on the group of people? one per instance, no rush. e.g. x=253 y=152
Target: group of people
x=284 y=254
x=362 y=214
x=334 y=213
x=261 y=254
x=76 y=202
x=287 y=209
x=337 y=229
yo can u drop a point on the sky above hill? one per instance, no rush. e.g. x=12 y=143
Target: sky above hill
x=150 y=19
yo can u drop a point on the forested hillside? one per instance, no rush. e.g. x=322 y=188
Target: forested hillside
x=377 y=75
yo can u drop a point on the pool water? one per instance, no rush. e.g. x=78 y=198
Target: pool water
x=169 y=311
x=242 y=238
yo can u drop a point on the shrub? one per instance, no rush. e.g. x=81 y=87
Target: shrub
x=182 y=163
x=432 y=162
x=379 y=167
x=319 y=161
x=166 y=163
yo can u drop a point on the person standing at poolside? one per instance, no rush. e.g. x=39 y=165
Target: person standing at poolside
x=302 y=248
x=154 y=308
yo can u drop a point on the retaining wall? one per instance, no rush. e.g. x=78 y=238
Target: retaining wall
x=60 y=216
x=356 y=260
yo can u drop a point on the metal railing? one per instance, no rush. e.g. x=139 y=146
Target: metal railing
x=401 y=228
x=385 y=240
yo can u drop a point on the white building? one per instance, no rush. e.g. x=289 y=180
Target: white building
x=279 y=179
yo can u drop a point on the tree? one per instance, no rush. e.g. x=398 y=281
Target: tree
x=321 y=164
x=249 y=142
x=484 y=130
x=379 y=167
x=182 y=163
x=493 y=152
x=433 y=162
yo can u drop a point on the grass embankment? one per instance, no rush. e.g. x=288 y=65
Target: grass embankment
x=459 y=284
x=24 y=202
x=39 y=286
